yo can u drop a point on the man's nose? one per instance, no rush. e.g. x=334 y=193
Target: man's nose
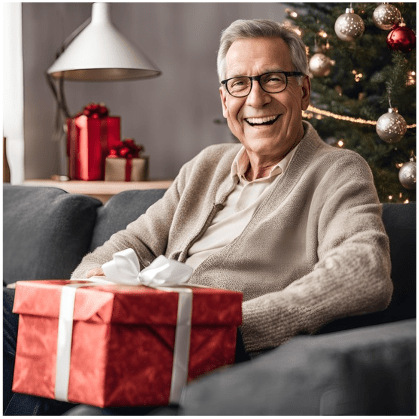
x=257 y=96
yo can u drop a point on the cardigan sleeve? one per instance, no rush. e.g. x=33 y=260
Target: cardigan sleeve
x=352 y=275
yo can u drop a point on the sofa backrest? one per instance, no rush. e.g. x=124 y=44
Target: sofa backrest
x=119 y=211
x=46 y=232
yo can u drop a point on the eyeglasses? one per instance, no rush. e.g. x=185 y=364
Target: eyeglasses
x=270 y=82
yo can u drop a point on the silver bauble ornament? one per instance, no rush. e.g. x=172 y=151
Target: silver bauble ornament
x=320 y=65
x=386 y=15
x=391 y=126
x=407 y=175
x=349 y=26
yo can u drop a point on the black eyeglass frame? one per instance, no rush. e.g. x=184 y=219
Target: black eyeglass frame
x=257 y=78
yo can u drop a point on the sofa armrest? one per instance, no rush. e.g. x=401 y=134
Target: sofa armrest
x=365 y=371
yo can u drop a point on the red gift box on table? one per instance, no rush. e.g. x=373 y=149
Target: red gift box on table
x=90 y=136
x=122 y=341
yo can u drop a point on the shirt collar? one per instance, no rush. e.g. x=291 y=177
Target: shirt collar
x=241 y=163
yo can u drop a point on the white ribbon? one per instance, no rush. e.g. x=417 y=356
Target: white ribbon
x=163 y=274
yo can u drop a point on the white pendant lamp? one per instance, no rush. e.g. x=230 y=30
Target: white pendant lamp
x=101 y=53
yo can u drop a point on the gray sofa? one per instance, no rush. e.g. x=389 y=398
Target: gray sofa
x=362 y=365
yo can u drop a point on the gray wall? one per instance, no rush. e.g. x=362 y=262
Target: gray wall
x=172 y=115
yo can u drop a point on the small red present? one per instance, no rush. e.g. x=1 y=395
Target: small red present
x=122 y=341
x=90 y=136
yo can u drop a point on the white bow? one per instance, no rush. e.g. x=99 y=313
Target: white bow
x=125 y=269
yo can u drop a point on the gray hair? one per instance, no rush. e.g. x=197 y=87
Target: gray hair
x=262 y=28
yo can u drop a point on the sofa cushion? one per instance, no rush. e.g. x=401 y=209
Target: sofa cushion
x=400 y=223
x=367 y=371
x=120 y=210
x=46 y=232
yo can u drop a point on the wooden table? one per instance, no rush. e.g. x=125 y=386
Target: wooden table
x=99 y=189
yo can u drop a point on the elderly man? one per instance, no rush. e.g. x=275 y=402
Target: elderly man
x=291 y=222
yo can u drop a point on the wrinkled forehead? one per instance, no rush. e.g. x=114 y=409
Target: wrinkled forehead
x=253 y=56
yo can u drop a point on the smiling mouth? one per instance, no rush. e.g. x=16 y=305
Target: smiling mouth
x=267 y=120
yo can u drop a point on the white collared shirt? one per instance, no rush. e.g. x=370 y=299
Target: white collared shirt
x=239 y=208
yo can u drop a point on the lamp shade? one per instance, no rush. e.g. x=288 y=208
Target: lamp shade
x=101 y=53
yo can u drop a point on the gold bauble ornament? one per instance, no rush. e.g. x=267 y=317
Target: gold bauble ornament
x=391 y=126
x=349 y=26
x=407 y=175
x=386 y=15
x=320 y=65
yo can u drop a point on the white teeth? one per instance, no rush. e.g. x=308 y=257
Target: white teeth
x=261 y=120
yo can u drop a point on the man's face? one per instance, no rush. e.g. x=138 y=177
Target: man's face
x=267 y=143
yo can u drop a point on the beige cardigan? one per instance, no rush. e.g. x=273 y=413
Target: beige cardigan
x=315 y=249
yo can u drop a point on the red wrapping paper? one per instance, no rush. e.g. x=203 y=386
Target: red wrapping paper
x=123 y=339
x=88 y=143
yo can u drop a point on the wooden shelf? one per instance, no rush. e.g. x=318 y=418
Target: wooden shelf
x=99 y=189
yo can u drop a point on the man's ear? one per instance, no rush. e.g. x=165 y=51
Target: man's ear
x=223 y=101
x=306 y=90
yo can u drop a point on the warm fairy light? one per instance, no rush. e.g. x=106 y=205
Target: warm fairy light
x=358 y=76
x=390 y=197
x=341 y=143
x=313 y=110
x=406 y=202
x=297 y=31
x=399 y=166
x=291 y=13
x=411 y=78
x=322 y=33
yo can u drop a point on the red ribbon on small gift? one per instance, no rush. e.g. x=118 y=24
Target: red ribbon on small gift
x=128 y=150
x=94 y=110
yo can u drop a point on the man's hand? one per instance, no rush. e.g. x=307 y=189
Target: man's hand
x=95 y=272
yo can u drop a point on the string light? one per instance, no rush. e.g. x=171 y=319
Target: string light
x=291 y=13
x=322 y=33
x=297 y=31
x=358 y=76
x=313 y=110
x=411 y=78
x=341 y=143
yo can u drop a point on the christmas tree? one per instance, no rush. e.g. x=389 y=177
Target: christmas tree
x=362 y=61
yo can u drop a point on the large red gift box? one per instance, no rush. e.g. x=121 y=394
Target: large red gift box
x=89 y=140
x=122 y=340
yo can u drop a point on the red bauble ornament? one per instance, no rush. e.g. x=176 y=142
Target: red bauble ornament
x=401 y=38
